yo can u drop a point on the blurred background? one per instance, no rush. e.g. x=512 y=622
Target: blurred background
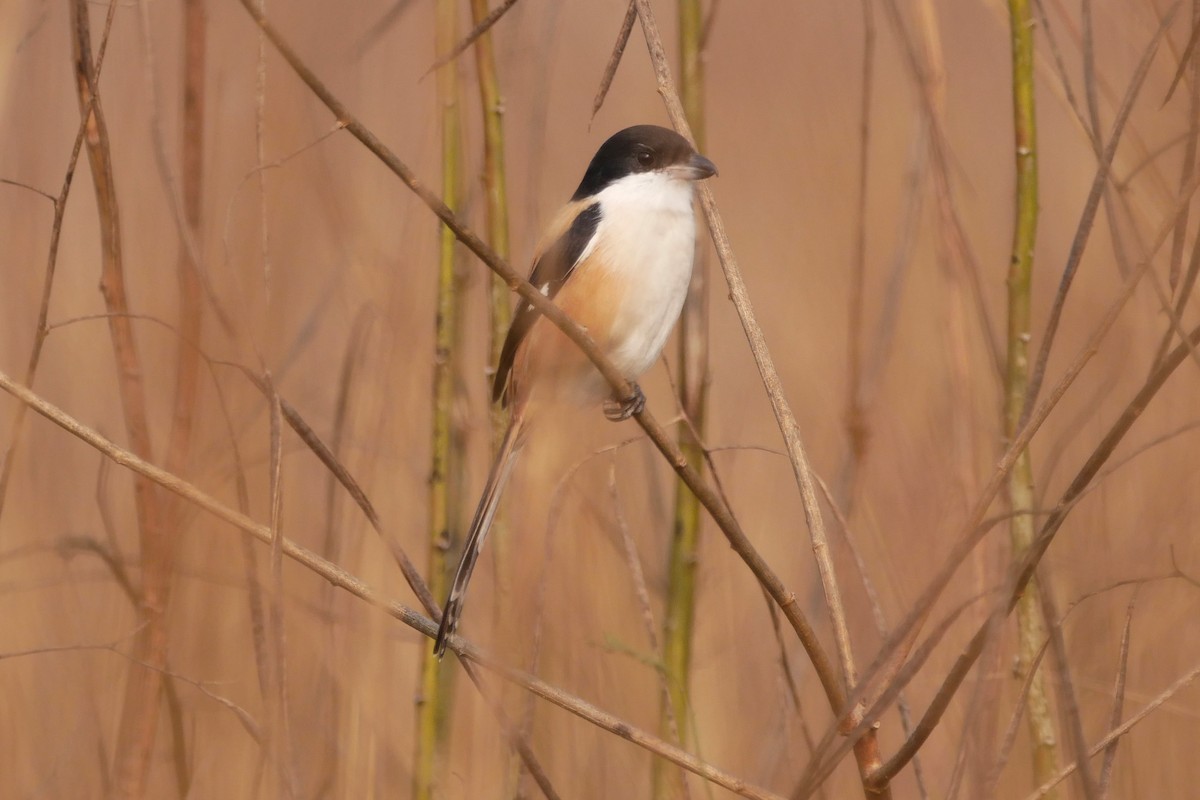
x=325 y=266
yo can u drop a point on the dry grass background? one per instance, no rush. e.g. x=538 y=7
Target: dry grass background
x=347 y=242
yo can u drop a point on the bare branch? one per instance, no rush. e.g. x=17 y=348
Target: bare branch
x=614 y=60
x=350 y=583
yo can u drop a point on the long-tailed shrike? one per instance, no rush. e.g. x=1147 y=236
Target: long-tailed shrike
x=617 y=259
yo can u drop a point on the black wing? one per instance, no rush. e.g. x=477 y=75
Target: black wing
x=550 y=272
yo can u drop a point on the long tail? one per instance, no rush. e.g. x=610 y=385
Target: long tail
x=482 y=521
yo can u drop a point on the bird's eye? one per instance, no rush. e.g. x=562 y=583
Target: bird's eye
x=645 y=158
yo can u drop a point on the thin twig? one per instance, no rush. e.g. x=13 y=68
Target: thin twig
x=881 y=624
x=972 y=532
x=925 y=65
x=481 y=27
x=1118 y=702
x=329 y=684
x=885 y=329
x=1088 y=217
x=348 y=582
x=281 y=730
x=643 y=597
x=826 y=756
x=1010 y=731
x=614 y=59
x=1189 y=151
x=27 y=187
x=854 y=416
x=867 y=750
x=1037 y=549
x=60 y=207
x=1116 y=733
x=1068 y=699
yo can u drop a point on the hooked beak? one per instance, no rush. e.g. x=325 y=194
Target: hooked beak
x=696 y=169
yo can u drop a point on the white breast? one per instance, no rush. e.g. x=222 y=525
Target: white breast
x=647 y=235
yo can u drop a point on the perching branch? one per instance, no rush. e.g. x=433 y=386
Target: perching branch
x=868 y=751
x=622 y=389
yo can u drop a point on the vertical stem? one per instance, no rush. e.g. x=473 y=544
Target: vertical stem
x=499 y=309
x=190 y=324
x=855 y=415
x=679 y=615
x=495 y=184
x=433 y=701
x=139 y=712
x=187 y=356
x=496 y=190
x=1031 y=627
x=277 y=703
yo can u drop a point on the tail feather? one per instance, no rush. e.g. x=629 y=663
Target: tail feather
x=480 y=524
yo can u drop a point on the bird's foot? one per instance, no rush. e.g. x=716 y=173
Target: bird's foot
x=618 y=410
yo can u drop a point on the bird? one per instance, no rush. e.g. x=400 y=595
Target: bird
x=617 y=259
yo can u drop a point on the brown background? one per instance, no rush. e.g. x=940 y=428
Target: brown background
x=347 y=239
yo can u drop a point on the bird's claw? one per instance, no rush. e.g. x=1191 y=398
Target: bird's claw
x=618 y=410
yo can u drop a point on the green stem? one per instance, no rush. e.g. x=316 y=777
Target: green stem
x=434 y=697
x=496 y=191
x=679 y=616
x=499 y=302
x=1031 y=626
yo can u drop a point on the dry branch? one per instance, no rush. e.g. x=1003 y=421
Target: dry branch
x=1119 y=731
x=973 y=531
x=482 y=26
x=1038 y=548
x=344 y=580
x=60 y=207
x=407 y=569
x=867 y=751
x=614 y=59
x=139 y=715
x=1118 y=702
x=1088 y=217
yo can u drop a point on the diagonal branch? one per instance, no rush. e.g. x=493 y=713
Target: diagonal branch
x=623 y=390
x=1119 y=731
x=868 y=754
x=481 y=27
x=339 y=577
x=60 y=207
x=1025 y=569
x=1088 y=217
x=614 y=59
